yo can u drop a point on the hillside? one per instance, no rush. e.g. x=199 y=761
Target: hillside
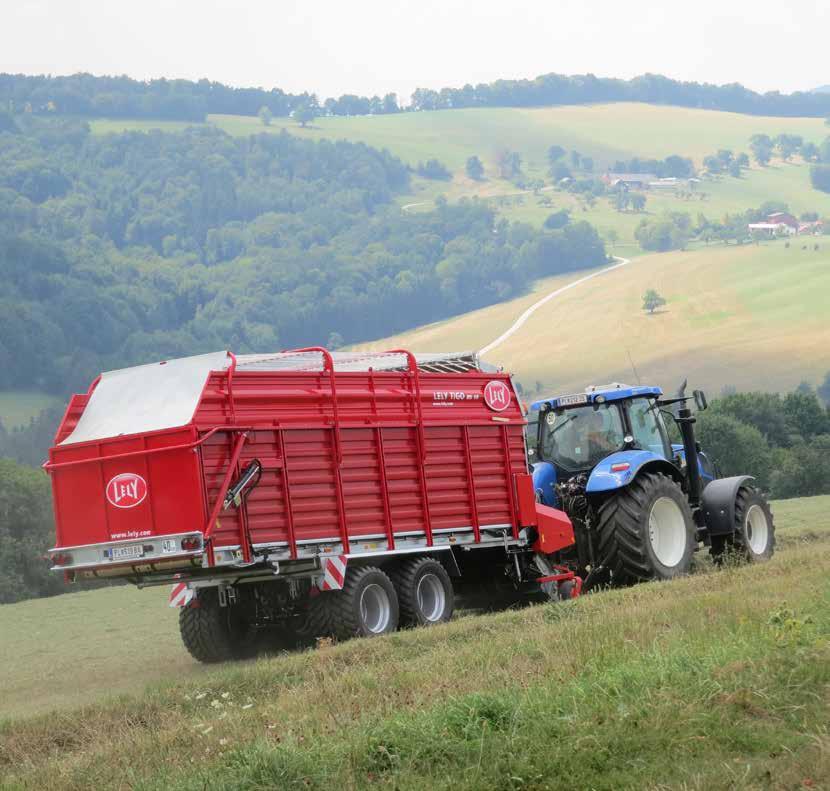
x=605 y=132
x=751 y=317
x=725 y=670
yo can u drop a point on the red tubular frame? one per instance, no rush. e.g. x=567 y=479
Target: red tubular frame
x=145 y=451
x=328 y=366
x=564 y=575
x=412 y=364
x=220 y=499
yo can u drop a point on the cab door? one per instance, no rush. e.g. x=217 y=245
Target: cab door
x=647 y=427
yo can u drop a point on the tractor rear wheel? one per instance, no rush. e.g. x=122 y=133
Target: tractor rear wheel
x=425 y=592
x=646 y=531
x=754 y=536
x=212 y=633
x=366 y=607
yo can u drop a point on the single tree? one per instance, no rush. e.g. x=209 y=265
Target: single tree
x=555 y=153
x=265 y=115
x=823 y=390
x=475 y=169
x=652 y=300
x=638 y=201
x=612 y=237
x=576 y=159
x=559 y=219
x=622 y=200
x=761 y=147
x=305 y=114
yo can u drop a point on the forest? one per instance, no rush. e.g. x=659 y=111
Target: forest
x=124 y=248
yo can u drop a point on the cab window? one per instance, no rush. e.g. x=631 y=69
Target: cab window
x=647 y=426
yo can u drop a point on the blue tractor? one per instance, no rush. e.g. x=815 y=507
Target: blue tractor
x=640 y=505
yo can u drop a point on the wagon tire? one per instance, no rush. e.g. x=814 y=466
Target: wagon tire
x=646 y=531
x=212 y=633
x=366 y=607
x=425 y=592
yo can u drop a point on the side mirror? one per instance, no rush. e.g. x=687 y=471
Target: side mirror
x=700 y=400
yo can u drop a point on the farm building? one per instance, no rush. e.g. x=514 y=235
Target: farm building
x=783 y=218
x=627 y=181
x=771 y=228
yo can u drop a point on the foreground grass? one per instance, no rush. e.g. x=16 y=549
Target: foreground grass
x=720 y=680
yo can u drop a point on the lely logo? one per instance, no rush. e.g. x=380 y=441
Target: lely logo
x=126 y=490
x=497 y=395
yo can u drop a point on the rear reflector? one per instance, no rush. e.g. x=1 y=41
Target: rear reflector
x=191 y=544
x=621 y=467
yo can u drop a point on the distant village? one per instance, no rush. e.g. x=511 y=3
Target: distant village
x=774 y=225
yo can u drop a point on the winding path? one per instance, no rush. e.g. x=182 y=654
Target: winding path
x=547 y=298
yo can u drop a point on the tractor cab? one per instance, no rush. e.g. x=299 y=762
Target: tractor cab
x=575 y=434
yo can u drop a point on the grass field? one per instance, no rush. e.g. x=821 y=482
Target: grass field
x=753 y=317
x=716 y=681
x=18 y=407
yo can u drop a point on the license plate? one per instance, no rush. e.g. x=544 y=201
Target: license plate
x=573 y=399
x=127 y=553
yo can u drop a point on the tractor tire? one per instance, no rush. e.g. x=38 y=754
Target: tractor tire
x=366 y=607
x=425 y=592
x=754 y=537
x=646 y=531
x=212 y=633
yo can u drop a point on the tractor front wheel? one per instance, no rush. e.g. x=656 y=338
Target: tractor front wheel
x=754 y=536
x=646 y=531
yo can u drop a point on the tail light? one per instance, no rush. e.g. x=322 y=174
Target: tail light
x=621 y=467
x=62 y=559
x=191 y=544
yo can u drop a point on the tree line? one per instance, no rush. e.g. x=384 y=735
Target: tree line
x=552 y=89
x=123 y=248
x=188 y=100
x=783 y=440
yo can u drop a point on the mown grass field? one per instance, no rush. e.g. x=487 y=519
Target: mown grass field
x=752 y=317
x=717 y=681
x=18 y=407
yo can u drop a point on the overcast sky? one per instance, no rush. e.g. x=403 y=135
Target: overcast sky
x=357 y=46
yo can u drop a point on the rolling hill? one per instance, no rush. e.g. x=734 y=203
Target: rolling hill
x=726 y=669
x=605 y=132
x=608 y=132
x=751 y=317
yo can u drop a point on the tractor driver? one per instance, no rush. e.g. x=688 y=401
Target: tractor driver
x=600 y=441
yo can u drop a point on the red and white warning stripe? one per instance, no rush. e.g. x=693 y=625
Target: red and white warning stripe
x=334 y=573
x=180 y=595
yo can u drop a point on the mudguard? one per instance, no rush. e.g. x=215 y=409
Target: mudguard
x=544 y=483
x=619 y=469
x=718 y=504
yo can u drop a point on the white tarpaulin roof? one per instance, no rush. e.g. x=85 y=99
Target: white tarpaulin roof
x=165 y=395
x=146 y=398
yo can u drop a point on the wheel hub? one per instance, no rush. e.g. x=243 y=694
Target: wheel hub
x=757 y=530
x=667 y=531
x=375 y=609
x=431 y=597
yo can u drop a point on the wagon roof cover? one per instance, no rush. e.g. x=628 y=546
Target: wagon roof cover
x=166 y=394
